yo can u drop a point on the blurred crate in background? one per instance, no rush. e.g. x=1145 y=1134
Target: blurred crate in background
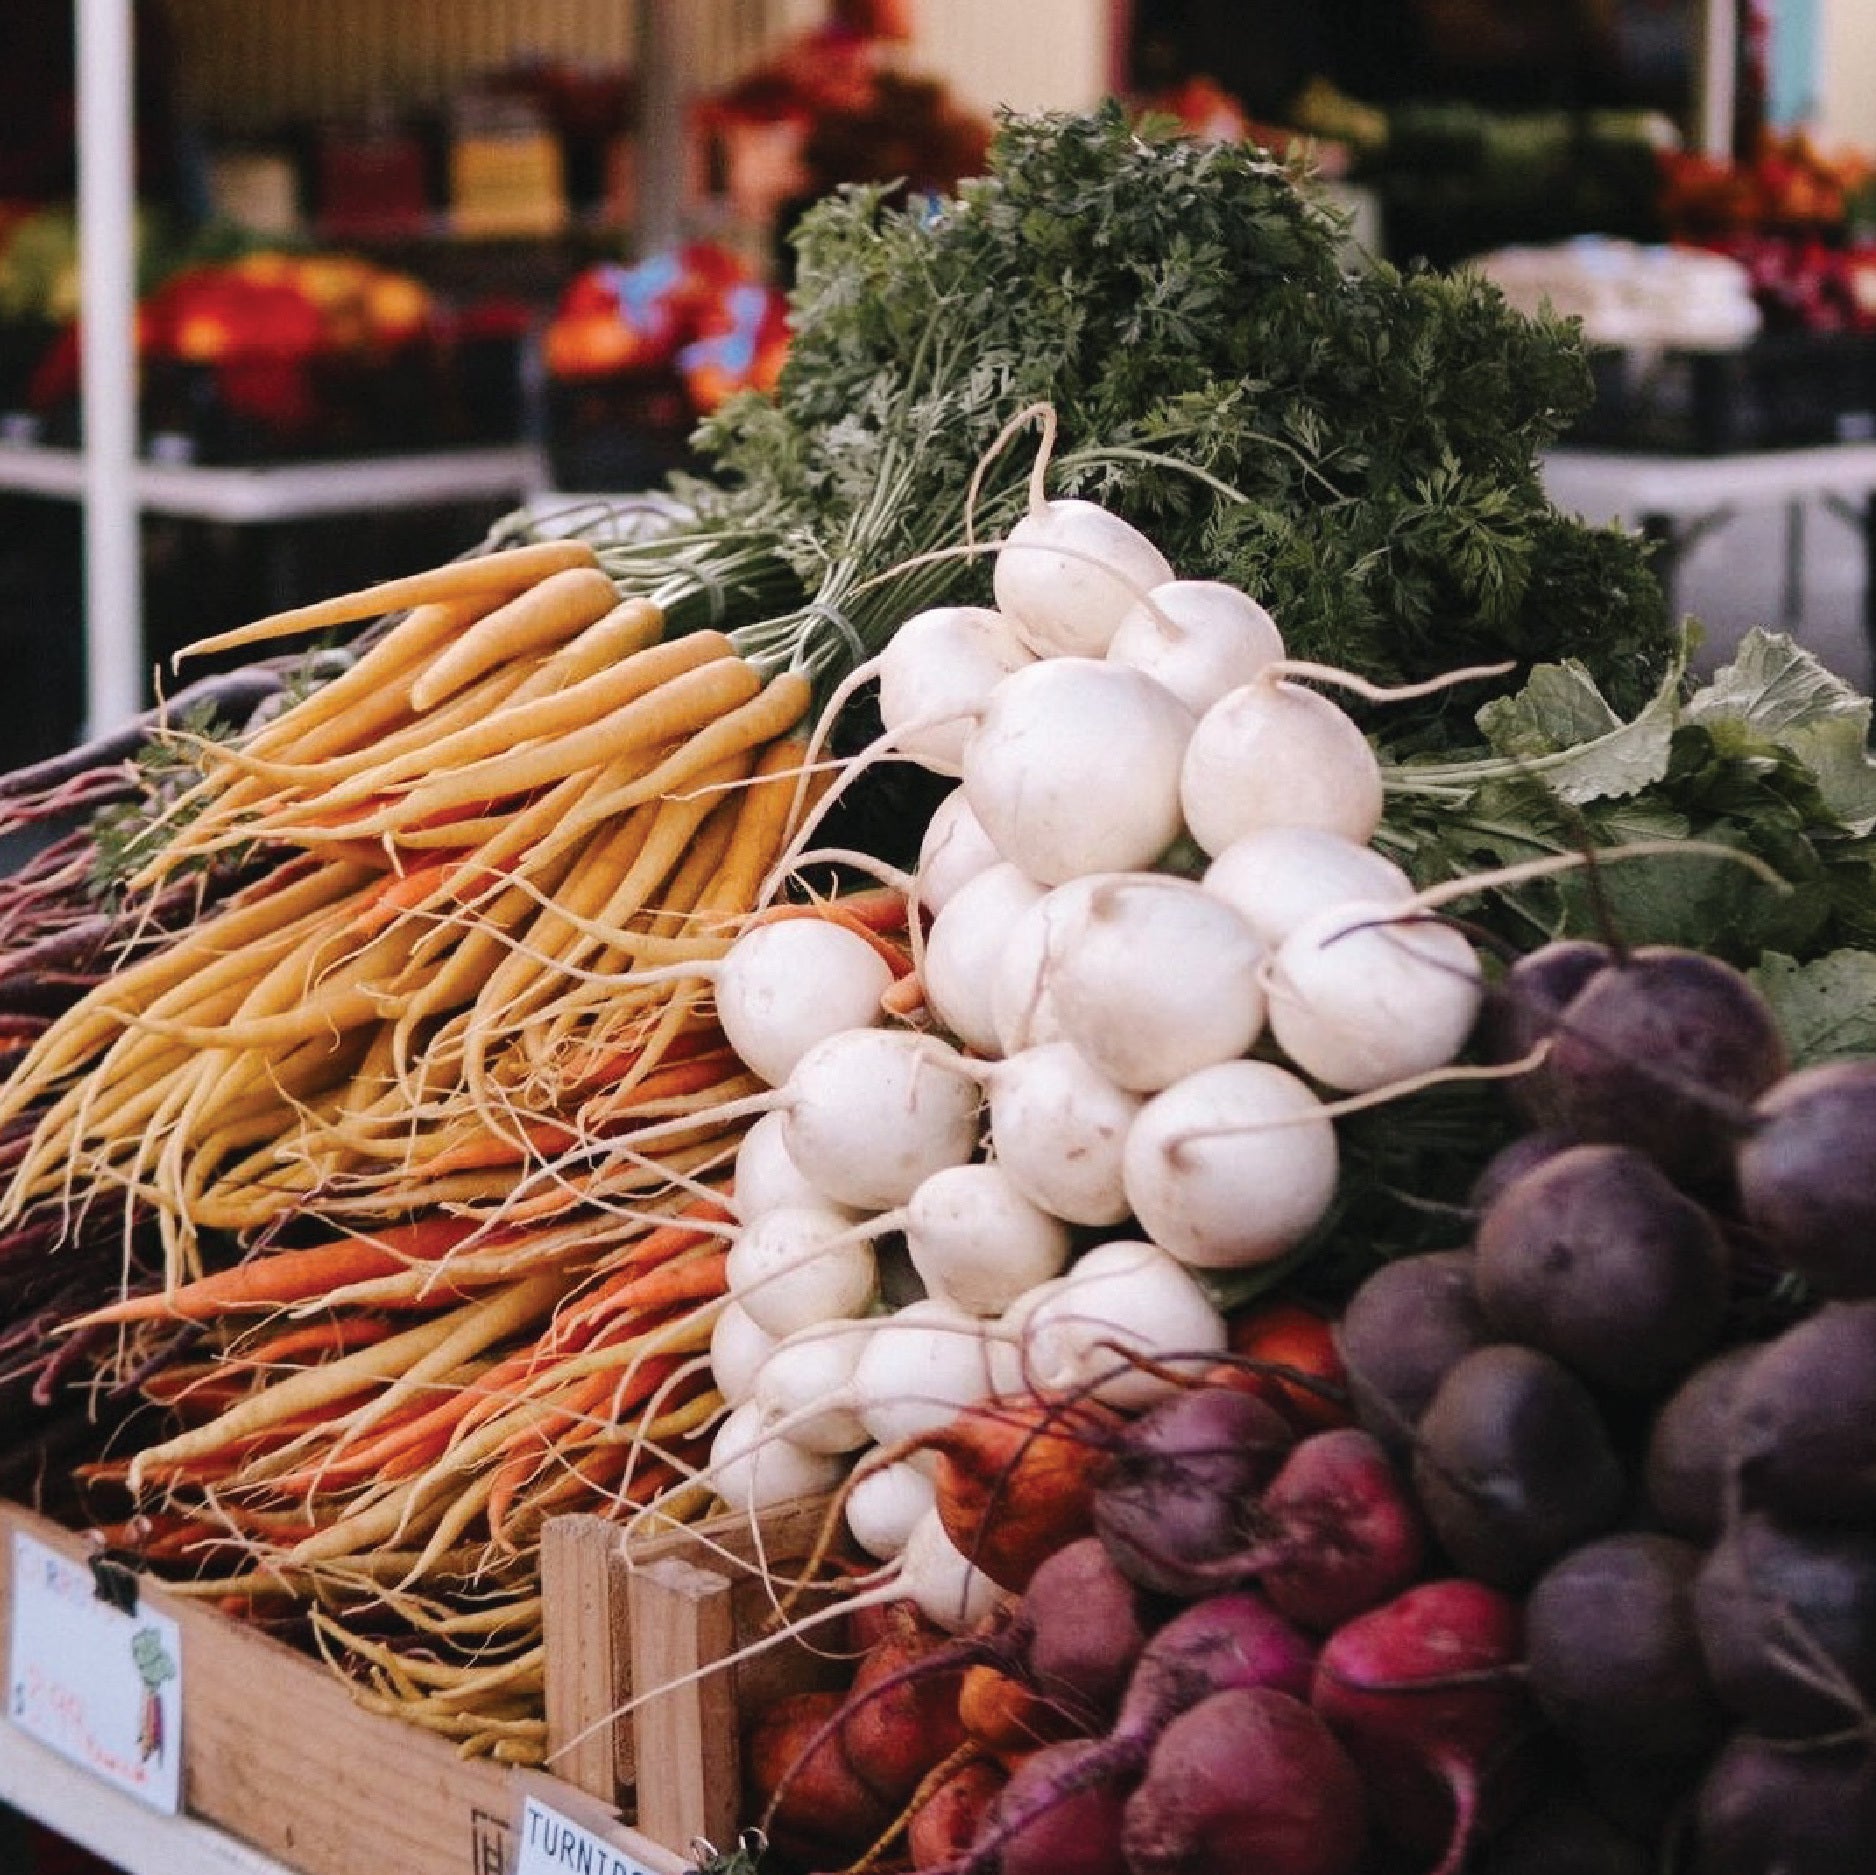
x=1784 y=390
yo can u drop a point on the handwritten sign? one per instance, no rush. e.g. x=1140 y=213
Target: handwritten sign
x=550 y=1845
x=98 y=1685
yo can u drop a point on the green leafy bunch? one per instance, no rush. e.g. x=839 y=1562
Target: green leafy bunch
x=1768 y=757
x=1355 y=445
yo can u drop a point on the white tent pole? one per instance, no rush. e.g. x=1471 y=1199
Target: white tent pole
x=1716 y=68
x=108 y=362
x=660 y=127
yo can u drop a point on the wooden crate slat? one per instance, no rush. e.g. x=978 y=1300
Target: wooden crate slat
x=589 y=1654
x=688 y=1733
x=277 y=1753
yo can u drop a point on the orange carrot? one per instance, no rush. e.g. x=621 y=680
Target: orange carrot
x=544 y=1139
x=442 y=869
x=612 y=1394
x=870 y=915
x=336 y=1335
x=905 y=998
x=676 y=1080
x=485 y=1151
x=509 y=571
x=281 y=1277
x=594 y=1066
x=695 y=1277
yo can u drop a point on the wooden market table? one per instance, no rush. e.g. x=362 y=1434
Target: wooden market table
x=1675 y=501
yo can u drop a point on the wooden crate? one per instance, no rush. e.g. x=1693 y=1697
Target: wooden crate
x=278 y=1755
x=634 y=1622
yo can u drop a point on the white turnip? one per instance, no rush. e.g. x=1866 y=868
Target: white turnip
x=884 y=1504
x=954 y=850
x=872 y=1112
x=1120 y=1299
x=1273 y=754
x=965 y=947
x=766 y=1178
x=1069 y=571
x=1232 y=1166
x=801 y=1389
x=788 y=983
x=737 y=1350
x=1276 y=877
x=977 y=1242
x=1361 y=997
x=919 y=1368
x=750 y=1468
x=1075 y=768
x=1153 y=978
x=1199 y=637
x=1058 y=1128
x=936 y=673
x=799 y=1266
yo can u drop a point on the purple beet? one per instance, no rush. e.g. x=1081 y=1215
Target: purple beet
x=1402 y=1330
x=1767 y=1809
x=1181 y=1484
x=1665 y=1050
x=1802 y=1428
x=1804 y=1175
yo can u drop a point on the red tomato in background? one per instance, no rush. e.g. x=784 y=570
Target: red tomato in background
x=1288 y=1334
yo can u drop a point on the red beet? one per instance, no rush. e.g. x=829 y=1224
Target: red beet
x=1232 y=1640
x=1087 y=1624
x=1334 y=1532
x=1247 y=1779
x=1350 y=1535
x=1426 y=1693
x=1060 y=1814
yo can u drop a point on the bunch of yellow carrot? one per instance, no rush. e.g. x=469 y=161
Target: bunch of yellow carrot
x=385 y=1105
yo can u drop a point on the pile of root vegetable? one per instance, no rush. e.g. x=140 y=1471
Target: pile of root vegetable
x=754 y=992
x=1555 y=1551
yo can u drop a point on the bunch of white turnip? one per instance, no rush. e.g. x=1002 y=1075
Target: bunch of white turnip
x=1153 y=934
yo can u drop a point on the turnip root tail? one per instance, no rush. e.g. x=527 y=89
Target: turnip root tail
x=1042 y=411
x=1280 y=668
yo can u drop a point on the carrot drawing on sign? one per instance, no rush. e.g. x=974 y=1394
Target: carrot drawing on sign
x=154 y=1666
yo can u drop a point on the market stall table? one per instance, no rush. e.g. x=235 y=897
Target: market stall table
x=289 y=491
x=1676 y=500
x=272 y=495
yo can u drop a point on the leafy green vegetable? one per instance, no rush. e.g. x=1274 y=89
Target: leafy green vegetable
x=1768 y=757
x=1357 y=448
x=1826 y=1009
